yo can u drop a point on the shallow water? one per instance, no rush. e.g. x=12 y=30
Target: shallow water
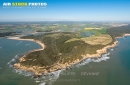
x=9 y=49
x=112 y=69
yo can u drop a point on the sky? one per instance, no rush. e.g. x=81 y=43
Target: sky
x=69 y=10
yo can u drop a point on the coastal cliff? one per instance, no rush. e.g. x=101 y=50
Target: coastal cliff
x=57 y=54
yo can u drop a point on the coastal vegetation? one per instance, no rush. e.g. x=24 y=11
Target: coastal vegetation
x=63 y=48
x=8 y=34
x=118 y=31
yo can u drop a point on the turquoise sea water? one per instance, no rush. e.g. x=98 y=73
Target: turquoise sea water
x=8 y=50
x=111 y=69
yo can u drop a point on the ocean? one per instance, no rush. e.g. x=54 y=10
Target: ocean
x=112 y=68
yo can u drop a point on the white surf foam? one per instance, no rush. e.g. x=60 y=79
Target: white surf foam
x=10 y=63
x=112 y=49
x=22 y=72
x=52 y=75
x=104 y=57
x=27 y=44
x=19 y=43
x=37 y=81
x=43 y=83
x=50 y=78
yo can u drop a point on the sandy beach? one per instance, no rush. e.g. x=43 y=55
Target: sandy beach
x=39 y=42
x=58 y=66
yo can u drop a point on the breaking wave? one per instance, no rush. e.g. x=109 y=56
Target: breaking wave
x=19 y=43
x=104 y=57
x=28 y=44
x=14 y=60
x=23 y=72
x=50 y=78
x=111 y=49
x=43 y=83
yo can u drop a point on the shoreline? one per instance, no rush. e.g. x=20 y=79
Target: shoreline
x=1 y=37
x=60 y=66
x=36 y=41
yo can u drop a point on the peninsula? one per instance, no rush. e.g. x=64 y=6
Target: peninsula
x=63 y=49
